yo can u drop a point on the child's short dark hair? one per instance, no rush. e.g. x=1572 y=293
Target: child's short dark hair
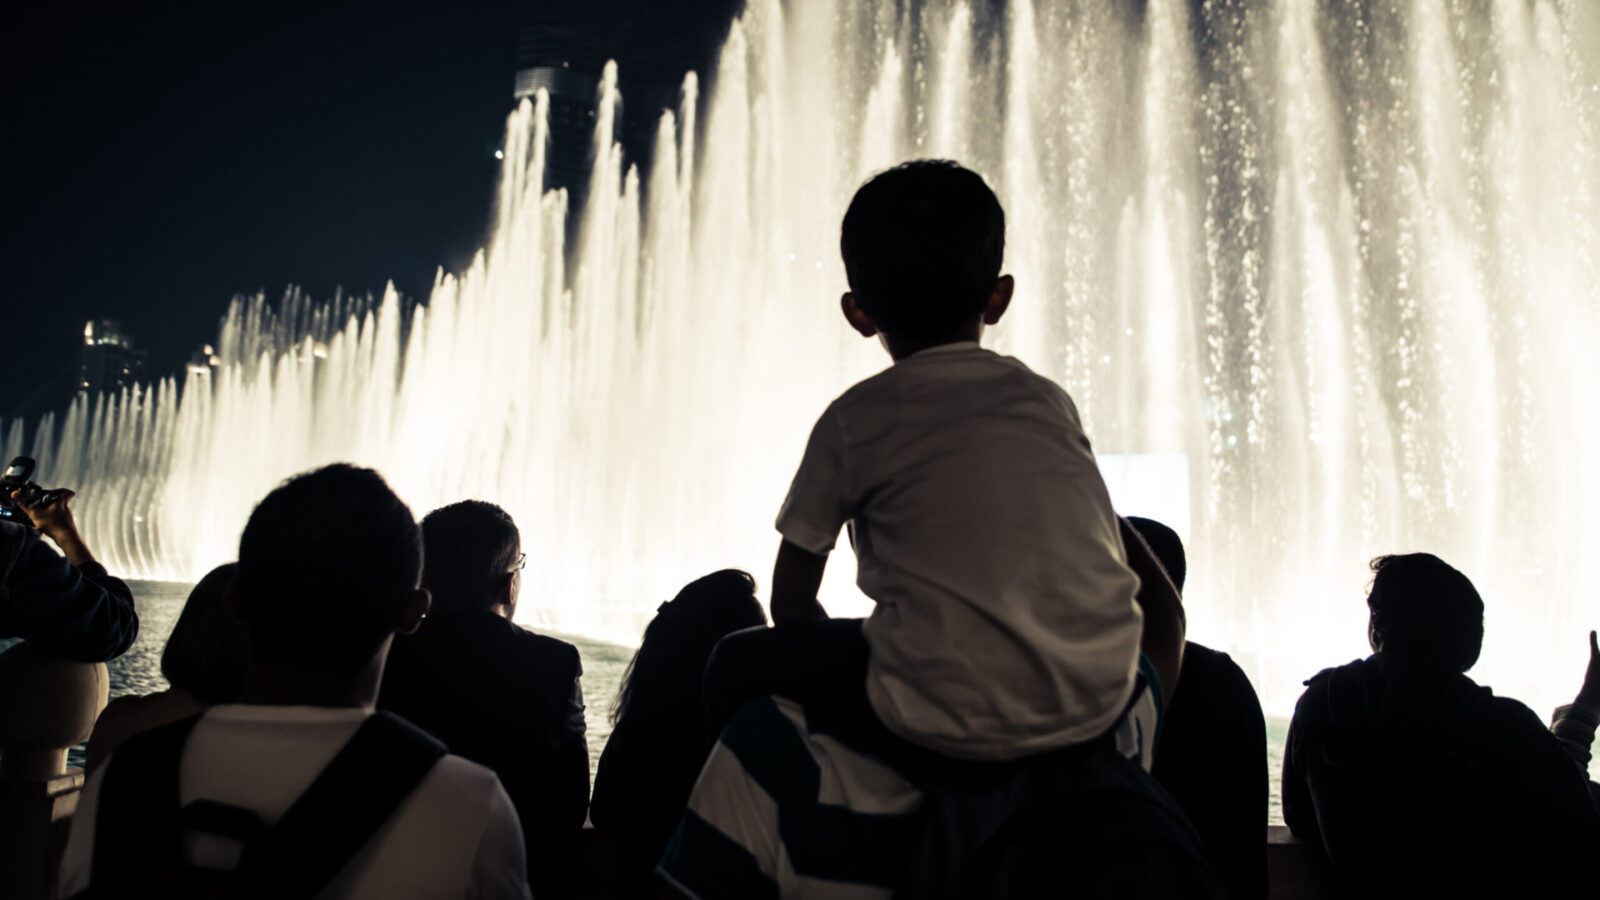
x=922 y=245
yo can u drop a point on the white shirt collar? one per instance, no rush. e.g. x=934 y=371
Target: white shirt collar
x=938 y=349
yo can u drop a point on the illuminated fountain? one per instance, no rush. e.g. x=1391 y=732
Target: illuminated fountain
x=1342 y=261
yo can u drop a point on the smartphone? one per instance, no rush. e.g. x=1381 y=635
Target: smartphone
x=15 y=478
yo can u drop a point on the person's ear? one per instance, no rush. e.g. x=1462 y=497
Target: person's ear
x=854 y=315
x=416 y=609
x=506 y=594
x=999 y=299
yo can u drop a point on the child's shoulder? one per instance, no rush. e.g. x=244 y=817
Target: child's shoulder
x=1019 y=379
x=870 y=389
x=998 y=375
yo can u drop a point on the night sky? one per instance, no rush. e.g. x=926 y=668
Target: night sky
x=159 y=158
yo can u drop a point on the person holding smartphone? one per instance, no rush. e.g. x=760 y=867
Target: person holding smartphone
x=65 y=603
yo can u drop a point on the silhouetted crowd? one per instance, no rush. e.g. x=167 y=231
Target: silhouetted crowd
x=354 y=713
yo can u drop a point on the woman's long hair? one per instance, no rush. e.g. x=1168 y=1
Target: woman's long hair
x=208 y=651
x=664 y=677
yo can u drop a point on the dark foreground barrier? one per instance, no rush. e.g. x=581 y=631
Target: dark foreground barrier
x=1297 y=870
x=46 y=705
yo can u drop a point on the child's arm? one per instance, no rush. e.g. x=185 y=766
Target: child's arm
x=1164 y=623
x=796 y=576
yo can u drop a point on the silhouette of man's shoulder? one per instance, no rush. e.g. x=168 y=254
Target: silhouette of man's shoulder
x=543 y=642
x=1223 y=687
x=1503 y=715
x=1212 y=662
x=1337 y=696
x=470 y=782
x=1354 y=667
x=479 y=654
x=554 y=652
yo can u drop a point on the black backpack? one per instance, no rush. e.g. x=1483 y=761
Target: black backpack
x=1083 y=822
x=139 y=827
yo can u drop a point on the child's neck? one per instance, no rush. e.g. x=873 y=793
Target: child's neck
x=900 y=347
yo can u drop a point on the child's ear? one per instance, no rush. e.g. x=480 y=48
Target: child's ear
x=999 y=299
x=857 y=319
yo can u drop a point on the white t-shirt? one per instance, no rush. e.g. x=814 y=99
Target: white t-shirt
x=1005 y=621
x=456 y=835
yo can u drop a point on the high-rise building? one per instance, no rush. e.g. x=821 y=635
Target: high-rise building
x=563 y=47
x=110 y=361
x=203 y=361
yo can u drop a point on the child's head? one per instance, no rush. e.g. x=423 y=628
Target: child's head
x=922 y=245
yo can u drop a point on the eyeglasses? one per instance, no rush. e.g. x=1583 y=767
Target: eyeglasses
x=522 y=561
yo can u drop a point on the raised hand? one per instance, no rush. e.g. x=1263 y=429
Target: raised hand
x=54 y=520
x=1589 y=695
x=51 y=518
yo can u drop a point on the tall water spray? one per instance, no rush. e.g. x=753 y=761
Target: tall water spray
x=1340 y=256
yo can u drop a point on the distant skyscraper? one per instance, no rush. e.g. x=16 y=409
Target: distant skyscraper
x=110 y=361
x=203 y=361
x=563 y=47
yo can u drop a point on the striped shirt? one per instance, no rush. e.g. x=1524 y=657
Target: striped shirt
x=783 y=809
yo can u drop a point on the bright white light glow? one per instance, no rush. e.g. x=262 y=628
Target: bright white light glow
x=1362 y=315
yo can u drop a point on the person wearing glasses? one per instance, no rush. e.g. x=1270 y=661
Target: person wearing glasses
x=494 y=692
x=296 y=787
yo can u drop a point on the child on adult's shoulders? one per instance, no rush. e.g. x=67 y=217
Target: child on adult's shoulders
x=1008 y=606
x=1005 y=621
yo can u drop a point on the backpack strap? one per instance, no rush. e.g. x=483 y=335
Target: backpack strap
x=139 y=825
x=338 y=814
x=136 y=827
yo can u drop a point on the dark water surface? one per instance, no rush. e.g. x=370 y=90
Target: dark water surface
x=139 y=672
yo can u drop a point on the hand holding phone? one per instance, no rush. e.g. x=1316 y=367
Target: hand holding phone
x=46 y=510
x=15 y=480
